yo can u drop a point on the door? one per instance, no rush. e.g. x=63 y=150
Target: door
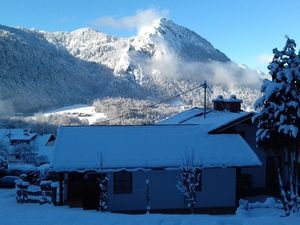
x=90 y=193
x=75 y=189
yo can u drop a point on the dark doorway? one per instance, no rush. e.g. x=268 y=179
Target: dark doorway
x=243 y=184
x=90 y=192
x=75 y=189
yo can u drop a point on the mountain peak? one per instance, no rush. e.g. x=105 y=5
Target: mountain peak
x=162 y=21
x=183 y=41
x=157 y=27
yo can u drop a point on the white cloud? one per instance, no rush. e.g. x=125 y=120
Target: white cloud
x=170 y=64
x=142 y=17
x=264 y=58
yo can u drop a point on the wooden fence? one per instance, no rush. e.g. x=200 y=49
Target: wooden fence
x=42 y=194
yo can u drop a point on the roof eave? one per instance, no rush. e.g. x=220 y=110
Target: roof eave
x=223 y=127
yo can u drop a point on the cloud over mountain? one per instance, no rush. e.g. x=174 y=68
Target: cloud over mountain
x=142 y=17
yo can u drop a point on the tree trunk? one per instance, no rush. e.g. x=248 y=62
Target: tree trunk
x=297 y=175
x=283 y=194
x=294 y=161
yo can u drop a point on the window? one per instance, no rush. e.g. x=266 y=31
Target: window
x=122 y=182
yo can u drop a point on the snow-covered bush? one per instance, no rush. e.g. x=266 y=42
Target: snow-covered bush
x=278 y=121
x=102 y=182
x=268 y=203
x=3 y=163
x=3 y=155
x=27 y=153
x=190 y=181
x=3 y=148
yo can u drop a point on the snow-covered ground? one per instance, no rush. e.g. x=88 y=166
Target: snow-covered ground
x=83 y=112
x=12 y=213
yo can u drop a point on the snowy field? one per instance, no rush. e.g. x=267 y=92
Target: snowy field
x=12 y=213
x=81 y=111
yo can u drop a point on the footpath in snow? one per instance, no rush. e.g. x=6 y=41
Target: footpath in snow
x=12 y=213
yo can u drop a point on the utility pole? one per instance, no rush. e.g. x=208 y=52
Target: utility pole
x=205 y=89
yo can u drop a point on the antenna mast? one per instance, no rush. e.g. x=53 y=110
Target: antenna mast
x=205 y=89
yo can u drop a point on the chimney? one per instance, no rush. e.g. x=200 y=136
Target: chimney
x=232 y=104
x=219 y=104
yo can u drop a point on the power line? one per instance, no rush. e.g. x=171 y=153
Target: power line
x=160 y=102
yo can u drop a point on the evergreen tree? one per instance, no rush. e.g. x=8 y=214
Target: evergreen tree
x=278 y=120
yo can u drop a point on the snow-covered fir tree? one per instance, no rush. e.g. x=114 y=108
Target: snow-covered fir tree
x=278 y=120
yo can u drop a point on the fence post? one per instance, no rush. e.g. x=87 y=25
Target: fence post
x=53 y=195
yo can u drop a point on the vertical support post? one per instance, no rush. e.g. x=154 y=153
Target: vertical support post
x=205 y=89
x=61 y=189
x=148 y=207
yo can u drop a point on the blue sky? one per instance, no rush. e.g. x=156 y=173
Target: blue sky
x=245 y=30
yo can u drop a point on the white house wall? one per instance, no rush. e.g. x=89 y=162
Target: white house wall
x=218 y=190
x=258 y=173
x=134 y=201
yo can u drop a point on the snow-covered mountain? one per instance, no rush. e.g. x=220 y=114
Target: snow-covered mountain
x=131 y=57
x=40 y=70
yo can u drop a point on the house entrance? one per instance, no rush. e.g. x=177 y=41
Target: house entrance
x=83 y=190
x=90 y=192
x=75 y=189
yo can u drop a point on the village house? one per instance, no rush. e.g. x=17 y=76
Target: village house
x=226 y=117
x=11 y=138
x=143 y=165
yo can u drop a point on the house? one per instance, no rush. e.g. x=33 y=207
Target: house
x=45 y=146
x=13 y=137
x=226 y=117
x=131 y=155
x=17 y=136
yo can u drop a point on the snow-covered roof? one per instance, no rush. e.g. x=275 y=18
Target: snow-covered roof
x=182 y=116
x=17 y=134
x=43 y=139
x=156 y=146
x=44 y=149
x=213 y=119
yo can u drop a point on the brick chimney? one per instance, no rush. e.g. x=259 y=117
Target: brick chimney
x=232 y=104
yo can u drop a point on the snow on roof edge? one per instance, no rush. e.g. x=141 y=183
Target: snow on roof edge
x=168 y=154
x=223 y=126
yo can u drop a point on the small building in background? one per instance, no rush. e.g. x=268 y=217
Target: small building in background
x=14 y=138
